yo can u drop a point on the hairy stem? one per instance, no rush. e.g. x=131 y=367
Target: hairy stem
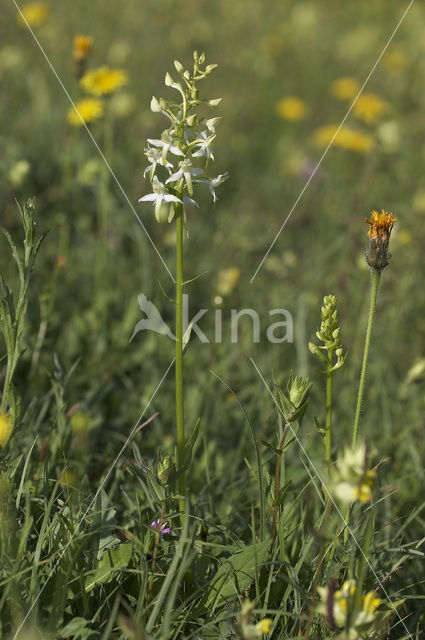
x=375 y=277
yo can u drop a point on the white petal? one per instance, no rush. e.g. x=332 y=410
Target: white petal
x=156 y=143
x=168 y=197
x=174 y=177
x=176 y=151
x=191 y=201
x=151 y=197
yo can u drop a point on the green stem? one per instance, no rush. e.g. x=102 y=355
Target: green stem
x=179 y=357
x=328 y=423
x=319 y=571
x=103 y=213
x=375 y=277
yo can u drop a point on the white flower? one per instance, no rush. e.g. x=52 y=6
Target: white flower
x=155 y=156
x=204 y=144
x=186 y=201
x=160 y=194
x=166 y=144
x=185 y=171
x=211 y=122
x=213 y=183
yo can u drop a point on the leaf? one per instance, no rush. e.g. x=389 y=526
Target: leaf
x=112 y=560
x=105 y=522
x=186 y=336
x=77 y=628
x=236 y=574
x=153 y=320
x=189 y=444
x=270 y=446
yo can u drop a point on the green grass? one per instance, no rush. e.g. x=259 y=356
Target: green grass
x=80 y=387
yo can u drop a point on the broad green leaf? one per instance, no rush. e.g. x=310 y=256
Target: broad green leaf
x=77 y=629
x=236 y=574
x=111 y=561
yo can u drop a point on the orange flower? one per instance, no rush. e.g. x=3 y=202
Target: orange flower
x=381 y=224
x=81 y=47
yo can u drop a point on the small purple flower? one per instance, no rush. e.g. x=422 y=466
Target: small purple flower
x=164 y=527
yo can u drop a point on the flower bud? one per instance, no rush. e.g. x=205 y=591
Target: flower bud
x=381 y=224
x=155 y=106
x=179 y=67
x=210 y=68
x=6 y=428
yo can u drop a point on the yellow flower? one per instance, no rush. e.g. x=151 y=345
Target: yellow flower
x=335 y=606
x=345 y=88
x=351 y=478
x=69 y=479
x=6 y=428
x=381 y=225
x=395 y=61
x=103 y=80
x=88 y=109
x=369 y=107
x=227 y=280
x=264 y=625
x=81 y=47
x=371 y=602
x=291 y=108
x=346 y=138
x=362 y=493
x=79 y=422
x=34 y=14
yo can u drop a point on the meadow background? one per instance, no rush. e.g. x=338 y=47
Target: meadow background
x=83 y=385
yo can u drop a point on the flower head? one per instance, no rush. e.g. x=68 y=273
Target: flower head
x=6 y=428
x=381 y=224
x=369 y=107
x=85 y=111
x=204 y=145
x=264 y=626
x=292 y=108
x=351 y=478
x=336 y=604
x=227 y=280
x=33 y=14
x=103 y=81
x=81 y=47
x=185 y=172
x=160 y=194
x=345 y=88
x=345 y=138
x=395 y=61
x=165 y=529
x=189 y=137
